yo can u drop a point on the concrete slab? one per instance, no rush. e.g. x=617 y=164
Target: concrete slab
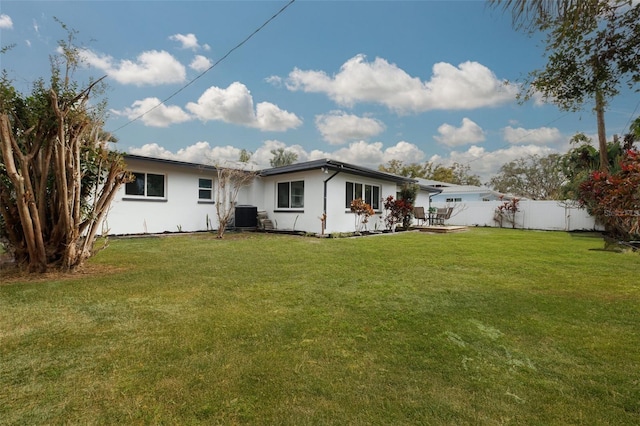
x=445 y=229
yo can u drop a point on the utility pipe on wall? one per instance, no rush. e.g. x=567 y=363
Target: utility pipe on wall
x=324 y=205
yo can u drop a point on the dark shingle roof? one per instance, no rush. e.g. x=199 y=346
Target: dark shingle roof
x=329 y=165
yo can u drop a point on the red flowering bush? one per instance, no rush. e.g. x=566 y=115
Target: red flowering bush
x=614 y=198
x=507 y=211
x=397 y=211
x=363 y=211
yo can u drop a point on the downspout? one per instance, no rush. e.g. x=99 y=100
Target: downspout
x=324 y=204
x=431 y=194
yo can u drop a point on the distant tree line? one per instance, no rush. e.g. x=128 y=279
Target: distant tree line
x=457 y=173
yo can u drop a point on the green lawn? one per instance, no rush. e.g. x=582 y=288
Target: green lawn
x=488 y=326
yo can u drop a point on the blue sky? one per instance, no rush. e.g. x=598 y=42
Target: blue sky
x=357 y=81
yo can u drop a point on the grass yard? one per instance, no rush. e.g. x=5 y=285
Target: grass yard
x=489 y=326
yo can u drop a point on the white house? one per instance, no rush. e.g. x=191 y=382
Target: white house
x=171 y=196
x=453 y=193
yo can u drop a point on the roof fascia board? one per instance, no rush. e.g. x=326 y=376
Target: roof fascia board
x=333 y=165
x=172 y=162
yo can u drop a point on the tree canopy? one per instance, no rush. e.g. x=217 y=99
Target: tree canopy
x=459 y=174
x=592 y=48
x=282 y=157
x=535 y=177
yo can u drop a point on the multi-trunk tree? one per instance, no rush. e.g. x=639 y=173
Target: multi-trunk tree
x=228 y=184
x=57 y=173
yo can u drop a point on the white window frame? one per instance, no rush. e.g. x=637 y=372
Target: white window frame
x=145 y=189
x=359 y=190
x=299 y=198
x=201 y=188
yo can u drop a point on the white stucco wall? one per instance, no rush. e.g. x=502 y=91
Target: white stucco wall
x=179 y=210
x=339 y=218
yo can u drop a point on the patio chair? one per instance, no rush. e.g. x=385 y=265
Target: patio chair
x=442 y=215
x=419 y=214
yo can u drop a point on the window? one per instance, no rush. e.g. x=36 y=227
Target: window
x=454 y=200
x=290 y=195
x=146 y=185
x=369 y=193
x=205 y=189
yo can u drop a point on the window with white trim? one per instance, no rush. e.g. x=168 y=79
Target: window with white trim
x=290 y=195
x=205 y=189
x=369 y=193
x=146 y=185
x=454 y=200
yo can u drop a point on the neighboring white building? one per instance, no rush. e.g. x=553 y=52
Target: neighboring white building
x=452 y=193
x=172 y=196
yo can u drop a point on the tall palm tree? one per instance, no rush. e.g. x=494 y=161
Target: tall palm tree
x=530 y=14
x=592 y=45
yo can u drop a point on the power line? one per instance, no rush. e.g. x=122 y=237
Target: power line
x=229 y=52
x=632 y=114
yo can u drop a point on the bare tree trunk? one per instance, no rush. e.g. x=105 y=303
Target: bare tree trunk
x=103 y=196
x=27 y=208
x=42 y=196
x=602 y=135
x=222 y=210
x=228 y=186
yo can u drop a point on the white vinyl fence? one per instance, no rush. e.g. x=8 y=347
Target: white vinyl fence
x=542 y=215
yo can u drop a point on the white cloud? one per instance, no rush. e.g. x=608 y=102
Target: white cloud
x=487 y=163
x=187 y=41
x=150 y=68
x=232 y=105
x=482 y=162
x=203 y=153
x=271 y=118
x=198 y=153
x=274 y=80
x=6 y=23
x=155 y=151
x=540 y=136
x=339 y=127
x=155 y=113
x=405 y=152
x=262 y=156
x=200 y=63
x=235 y=105
x=470 y=85
x=374 y=154
x=360 y=153
x=468 y=133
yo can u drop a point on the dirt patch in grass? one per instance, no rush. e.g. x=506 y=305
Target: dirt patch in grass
x=10 y=274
